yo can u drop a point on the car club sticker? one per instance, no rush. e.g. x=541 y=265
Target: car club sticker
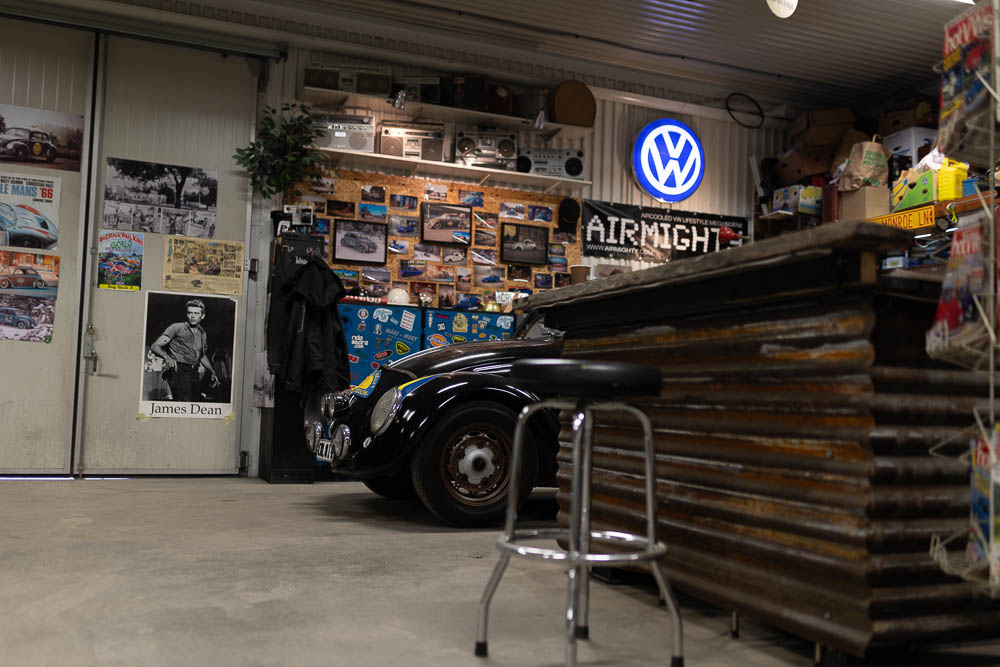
x=367 y=386
x=406 y=388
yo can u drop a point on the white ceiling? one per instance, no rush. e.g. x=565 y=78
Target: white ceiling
x=829 y=51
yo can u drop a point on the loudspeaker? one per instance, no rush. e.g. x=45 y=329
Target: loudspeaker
x=569 y=215
x=467 y=91
x=284 y=456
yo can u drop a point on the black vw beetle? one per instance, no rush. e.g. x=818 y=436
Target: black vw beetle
x=439 y=425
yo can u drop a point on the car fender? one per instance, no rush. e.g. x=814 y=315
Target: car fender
x=391 y=451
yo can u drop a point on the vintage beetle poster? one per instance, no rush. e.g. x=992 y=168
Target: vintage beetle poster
x=188 y=349
x=29 y=211
x=41 y=138
x=643 y=233
x=119 y=261
x=28 y=287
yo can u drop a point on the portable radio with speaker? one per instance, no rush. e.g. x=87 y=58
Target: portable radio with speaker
x=486 y=148
x=558 y=162
x=418 y=140
x=425 y=89
x=353 y=133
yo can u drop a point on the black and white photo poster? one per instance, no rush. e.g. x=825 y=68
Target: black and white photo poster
x=160 y=198
x=647 y=234
x=187 y=364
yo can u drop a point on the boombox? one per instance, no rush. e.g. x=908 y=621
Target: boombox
x=420 y=140
x=486 y=148
x=558 y=162
x=426 y=89
x=353 y=133
x=368 y=81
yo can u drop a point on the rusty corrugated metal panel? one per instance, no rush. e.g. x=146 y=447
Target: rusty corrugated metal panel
x=794 y=479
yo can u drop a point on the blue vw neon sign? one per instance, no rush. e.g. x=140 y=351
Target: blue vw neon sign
x=668 y=160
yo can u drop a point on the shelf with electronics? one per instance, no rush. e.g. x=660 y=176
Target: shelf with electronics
x=374 y=107
x=338 y=99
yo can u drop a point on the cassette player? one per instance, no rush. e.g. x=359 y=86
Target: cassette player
x=417 y=140
x=352 y=133
x=557 y=162
x=480 y=147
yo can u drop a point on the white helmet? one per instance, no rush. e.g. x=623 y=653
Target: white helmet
x=398 y=296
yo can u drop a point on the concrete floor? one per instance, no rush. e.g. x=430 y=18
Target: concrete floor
x=237 y=572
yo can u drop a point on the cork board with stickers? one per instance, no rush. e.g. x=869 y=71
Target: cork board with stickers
x=457 y=241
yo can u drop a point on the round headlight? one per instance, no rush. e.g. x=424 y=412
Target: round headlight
x=384 y=410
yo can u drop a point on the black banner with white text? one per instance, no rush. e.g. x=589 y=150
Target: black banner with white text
x=642 y=233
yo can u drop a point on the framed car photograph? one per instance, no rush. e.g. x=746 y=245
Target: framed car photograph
x=523 y=244
x=446 y=223
x=359 y=241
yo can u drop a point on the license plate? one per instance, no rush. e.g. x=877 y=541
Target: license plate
x=324 y=451
x=916 y=218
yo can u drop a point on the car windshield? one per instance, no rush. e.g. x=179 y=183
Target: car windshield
x=41 y=136
x=18 y=132
x=533 y=328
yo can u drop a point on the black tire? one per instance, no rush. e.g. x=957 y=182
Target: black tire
x=5 y=284
x=51 y=157
x=25 y=243
x=448 y=493
x=21 y=324
x=396 y=487
x=21 y=154
x=39 y=284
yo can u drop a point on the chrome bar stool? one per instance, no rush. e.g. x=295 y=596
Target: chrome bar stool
x=583 y=387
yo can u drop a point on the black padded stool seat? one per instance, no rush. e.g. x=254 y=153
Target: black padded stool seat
x=585 y=379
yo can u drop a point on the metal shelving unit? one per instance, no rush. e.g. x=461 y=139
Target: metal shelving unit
x=345 y=159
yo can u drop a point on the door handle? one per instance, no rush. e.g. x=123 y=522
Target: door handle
x=89 y=351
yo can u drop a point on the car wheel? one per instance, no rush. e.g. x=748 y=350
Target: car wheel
x=20 y=154
x=25 y=243
x=39 y=284
x=21 y=324
x=5 y=284
x=51 y=157
x=461 y=471
x=395 y=487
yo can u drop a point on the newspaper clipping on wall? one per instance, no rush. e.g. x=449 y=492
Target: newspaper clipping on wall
x=194 y=265
x=119 y=261
x=30 y=206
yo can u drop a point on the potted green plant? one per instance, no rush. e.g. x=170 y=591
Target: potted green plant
x=282 y=155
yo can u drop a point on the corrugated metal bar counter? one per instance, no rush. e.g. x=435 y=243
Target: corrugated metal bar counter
x=792 y=434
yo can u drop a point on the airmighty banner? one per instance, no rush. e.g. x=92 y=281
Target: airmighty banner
x=642 y=233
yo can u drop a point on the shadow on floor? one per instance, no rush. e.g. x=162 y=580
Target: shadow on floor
x=411 y=516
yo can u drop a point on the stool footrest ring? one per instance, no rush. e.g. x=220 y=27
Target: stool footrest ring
x=645 y=551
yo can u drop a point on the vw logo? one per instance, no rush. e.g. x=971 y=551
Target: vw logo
x=668 y=160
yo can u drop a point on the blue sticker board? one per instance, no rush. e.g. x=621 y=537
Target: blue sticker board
x=378 y=334
x=446 y=327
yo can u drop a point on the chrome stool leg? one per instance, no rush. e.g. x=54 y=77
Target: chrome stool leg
x=677 y=651
x=580 y=443
x=583 y=571
x=501 y=566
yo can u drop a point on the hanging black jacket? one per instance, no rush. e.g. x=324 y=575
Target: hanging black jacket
x=306 y=348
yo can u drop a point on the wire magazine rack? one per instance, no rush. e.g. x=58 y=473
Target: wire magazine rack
x=979 y=352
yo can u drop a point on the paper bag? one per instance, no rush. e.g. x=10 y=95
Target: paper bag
x=867 y=165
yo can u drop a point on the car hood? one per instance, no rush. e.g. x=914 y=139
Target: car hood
x=27 y=218
x=482 y=356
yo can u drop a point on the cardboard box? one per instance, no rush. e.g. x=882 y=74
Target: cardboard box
x=917 y=190
x=864 y=203
x=896 y=121
x=831 y=203
x=798 y=199
x=909 y=141
x=821 y=128
x=801 y=164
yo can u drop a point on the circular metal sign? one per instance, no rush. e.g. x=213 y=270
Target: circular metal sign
x=668 y=160
x=782 y=8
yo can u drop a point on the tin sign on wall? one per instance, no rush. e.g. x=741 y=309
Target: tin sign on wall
x=668 y=160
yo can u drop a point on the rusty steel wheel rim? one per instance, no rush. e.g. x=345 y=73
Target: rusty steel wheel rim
x=493 y=486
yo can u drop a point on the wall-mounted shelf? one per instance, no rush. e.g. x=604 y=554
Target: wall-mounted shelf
x=344 y=159
x=336 y=99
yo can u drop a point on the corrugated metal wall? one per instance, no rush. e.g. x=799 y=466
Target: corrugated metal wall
x=49 y=68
